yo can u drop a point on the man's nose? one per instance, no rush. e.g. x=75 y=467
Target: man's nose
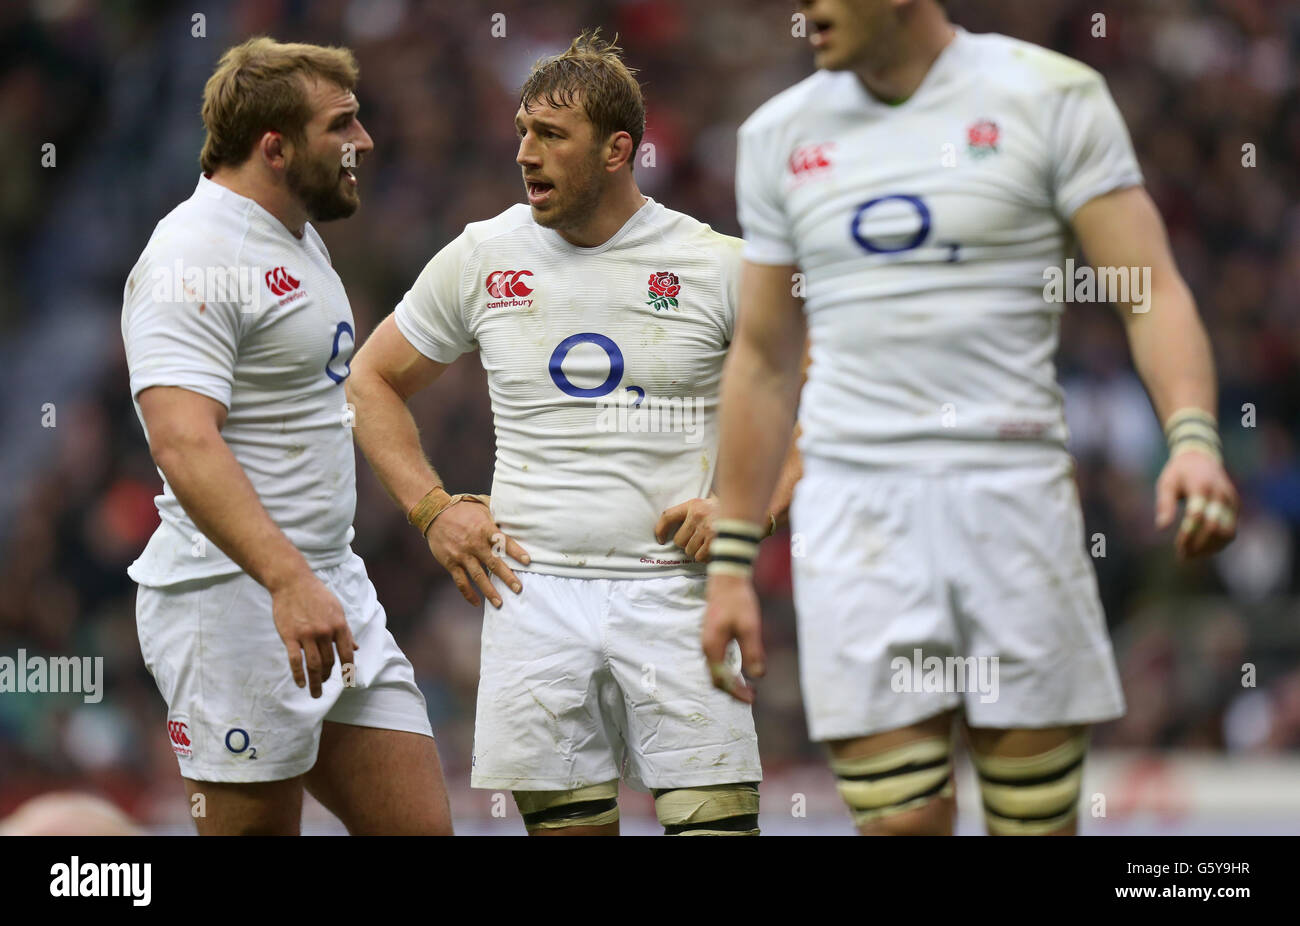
x=364 y=142
x=527 y=153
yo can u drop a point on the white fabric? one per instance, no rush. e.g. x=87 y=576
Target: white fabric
x=924 y=246
x=213 y=650
x=984 y=563
x=580 y=674
x=577 y=329
x=267 y=356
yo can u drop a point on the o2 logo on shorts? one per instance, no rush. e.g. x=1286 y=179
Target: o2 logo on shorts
x=343 y=329
x=238 y=743
x=898 y=241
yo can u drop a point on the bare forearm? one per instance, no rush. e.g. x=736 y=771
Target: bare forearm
x=1172 y=352
x=215 y=492
x=759 y=401
x=390 y=440
x=791 y=471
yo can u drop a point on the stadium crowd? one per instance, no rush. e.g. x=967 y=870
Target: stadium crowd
x=1210 y=90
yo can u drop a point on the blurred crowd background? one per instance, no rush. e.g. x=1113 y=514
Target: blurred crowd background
x=116 y=86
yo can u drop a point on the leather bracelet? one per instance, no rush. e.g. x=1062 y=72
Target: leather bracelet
x=424 y=512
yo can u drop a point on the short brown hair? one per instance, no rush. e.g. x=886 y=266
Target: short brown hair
x=592 y=72
x=261 y=86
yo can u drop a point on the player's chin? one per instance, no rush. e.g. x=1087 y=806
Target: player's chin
x=837 y=55
x=545 y=216
x=335 y=207
x=829 y=61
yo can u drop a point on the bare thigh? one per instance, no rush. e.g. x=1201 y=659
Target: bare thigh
x=263 y=808
x=381 y=782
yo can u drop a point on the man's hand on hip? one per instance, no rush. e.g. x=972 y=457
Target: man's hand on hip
x=467 y=542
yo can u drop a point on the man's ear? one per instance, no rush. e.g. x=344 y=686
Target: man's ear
x=621 y=151
x=275 y=148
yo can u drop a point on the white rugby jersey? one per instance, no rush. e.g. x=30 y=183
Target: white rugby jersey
x=226 y=302
x=603 y=368
x=923 y=230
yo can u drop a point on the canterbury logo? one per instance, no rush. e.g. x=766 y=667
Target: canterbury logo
x=279 y=281
x=810 y=158
x=179 y=733
x=502 y=284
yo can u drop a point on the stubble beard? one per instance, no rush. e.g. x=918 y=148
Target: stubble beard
x=587 y=193
x=317 y=185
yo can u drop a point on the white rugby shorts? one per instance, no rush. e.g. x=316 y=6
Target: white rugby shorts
x=234 y=713
x=919 y=592
x=585 y=681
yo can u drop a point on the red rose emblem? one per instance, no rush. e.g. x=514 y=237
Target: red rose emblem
x=983 y=134
x=665 y=285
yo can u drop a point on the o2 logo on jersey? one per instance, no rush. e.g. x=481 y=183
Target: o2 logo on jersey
x=556 y=365
x=343 y=329
x=896 y=232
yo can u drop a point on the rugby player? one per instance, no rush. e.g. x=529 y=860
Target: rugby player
x=926 y=181
x=238 y=335
x=592 y=308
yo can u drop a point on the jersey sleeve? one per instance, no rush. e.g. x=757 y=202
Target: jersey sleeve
x=431 y=315
x=174 y=339
x=759 y=203
x=1092 y=153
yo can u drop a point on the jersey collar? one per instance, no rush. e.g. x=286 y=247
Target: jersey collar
x=250 y=207
x=945 y=68
x=552 y=237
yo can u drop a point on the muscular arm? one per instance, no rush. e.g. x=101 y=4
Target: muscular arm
x=792 y=469
x=760 y=395
x=1172 y=354
x=186 y=443
x=386 y=372
x=1169 y=345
